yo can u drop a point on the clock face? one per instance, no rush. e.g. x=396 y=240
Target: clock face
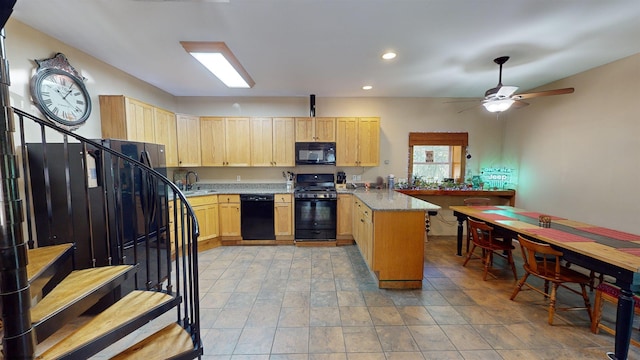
x=61 y=96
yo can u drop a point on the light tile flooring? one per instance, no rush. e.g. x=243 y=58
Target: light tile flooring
x=301 y=303
x=323 y=303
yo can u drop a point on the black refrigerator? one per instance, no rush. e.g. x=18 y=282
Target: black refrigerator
x=114 y=211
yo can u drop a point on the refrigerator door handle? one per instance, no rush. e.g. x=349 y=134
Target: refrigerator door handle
x=150 y=190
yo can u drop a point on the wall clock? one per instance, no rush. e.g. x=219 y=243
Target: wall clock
x=58 y=91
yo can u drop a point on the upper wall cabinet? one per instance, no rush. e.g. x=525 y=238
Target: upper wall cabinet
x=165 y=132
x=358 y=141
x=320 y=129
x=130 y=119
x=225 y=141
x=272 y=142
x=188 y=134
x=126 y=119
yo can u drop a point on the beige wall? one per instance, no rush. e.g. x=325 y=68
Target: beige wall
x=577 y=154
x=24 y=44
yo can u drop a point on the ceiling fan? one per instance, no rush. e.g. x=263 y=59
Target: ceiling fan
x=501 y=98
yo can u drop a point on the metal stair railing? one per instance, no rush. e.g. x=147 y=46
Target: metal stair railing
x=118 y=215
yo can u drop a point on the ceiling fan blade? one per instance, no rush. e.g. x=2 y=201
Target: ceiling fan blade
x=517 y=104
x=506 y=91
x=543 y=93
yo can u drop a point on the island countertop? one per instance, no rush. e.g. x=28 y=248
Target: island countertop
x=389 y=200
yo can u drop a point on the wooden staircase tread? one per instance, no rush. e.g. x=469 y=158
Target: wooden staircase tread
x=76 y=286
x=170 y=341
x=40 y=257
x=135 y=304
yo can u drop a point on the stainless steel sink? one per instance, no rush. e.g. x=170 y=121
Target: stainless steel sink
x=198 y=192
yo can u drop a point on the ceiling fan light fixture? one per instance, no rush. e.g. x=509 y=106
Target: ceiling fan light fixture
x=390 y=55
x=498 y=105
x=219 y=60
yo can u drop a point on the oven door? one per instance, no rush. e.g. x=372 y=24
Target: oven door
x=315 y=219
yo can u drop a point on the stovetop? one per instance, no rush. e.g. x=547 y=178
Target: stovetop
x=315 y=186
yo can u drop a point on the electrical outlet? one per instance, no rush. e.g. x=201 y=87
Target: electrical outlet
x=238 y=178
x=358 y=177
x=354 y=177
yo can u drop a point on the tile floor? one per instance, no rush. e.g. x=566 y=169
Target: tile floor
x=323 y=303
x=300 y=303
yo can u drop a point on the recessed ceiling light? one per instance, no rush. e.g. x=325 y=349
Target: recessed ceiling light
x=367 y=87
x=389 y=55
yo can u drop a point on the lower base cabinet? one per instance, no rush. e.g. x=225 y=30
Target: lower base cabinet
x=392 y=245
x=229 y=208
x=283 y=216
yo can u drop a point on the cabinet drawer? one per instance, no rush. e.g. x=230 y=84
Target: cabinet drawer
x=229 y=198
x=203 y=200
x=282 y=198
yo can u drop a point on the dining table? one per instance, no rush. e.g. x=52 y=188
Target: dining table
x=603 y=250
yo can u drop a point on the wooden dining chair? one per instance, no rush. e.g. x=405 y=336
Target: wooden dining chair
x=482 y=238
x=544 y=262
x=606 y=292
x=475 y=201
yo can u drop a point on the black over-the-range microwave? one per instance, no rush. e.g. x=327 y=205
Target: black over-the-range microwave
x=315 y=153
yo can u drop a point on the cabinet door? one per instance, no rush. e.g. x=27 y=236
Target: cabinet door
x=305 y=130
x=166 y=134
x=261 y=142
x=238 y=141
x=347 y=142
x=283 y=214
x=140 y=126
x=368 y=141
x=212 y=137
x=283 y=142
x=188 y=130
x=229 y=219
x=344 y=215
x=207 y=216
x=325 y=129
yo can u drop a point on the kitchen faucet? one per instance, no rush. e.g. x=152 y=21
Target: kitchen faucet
x=188 y=185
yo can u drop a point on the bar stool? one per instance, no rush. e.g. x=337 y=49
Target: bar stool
x=610 y=293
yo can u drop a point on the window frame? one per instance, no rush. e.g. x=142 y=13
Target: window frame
x=440 y=139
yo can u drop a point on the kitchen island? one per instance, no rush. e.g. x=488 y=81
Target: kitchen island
x=389 y=229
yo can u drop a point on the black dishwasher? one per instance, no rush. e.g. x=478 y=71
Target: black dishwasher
x=256 y=217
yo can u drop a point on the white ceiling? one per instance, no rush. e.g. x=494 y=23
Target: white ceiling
x=332 y=47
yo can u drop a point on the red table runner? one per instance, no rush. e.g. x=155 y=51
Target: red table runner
x=535 y=215
x=614 y=234
x=558 y=235
x=492 y=216
x=632 y=251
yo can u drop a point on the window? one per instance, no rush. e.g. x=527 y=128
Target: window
x=437 y=156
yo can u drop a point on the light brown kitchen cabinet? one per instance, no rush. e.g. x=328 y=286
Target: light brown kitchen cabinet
x=321 y=129
x=363 y=231
x=166 y=134
x=188 y=130
x=358 y=141
x=229 y=213
x=283 y=216
x=272 y=142
x=225 y=141
x=206 y=210
x=344 y=216
x=261 y=141
x=125 y=118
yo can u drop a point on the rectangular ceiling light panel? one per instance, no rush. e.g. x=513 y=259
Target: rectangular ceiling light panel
x=218 y=59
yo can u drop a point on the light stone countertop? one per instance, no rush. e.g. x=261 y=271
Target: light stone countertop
x=390 y=200
x=378 y=200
